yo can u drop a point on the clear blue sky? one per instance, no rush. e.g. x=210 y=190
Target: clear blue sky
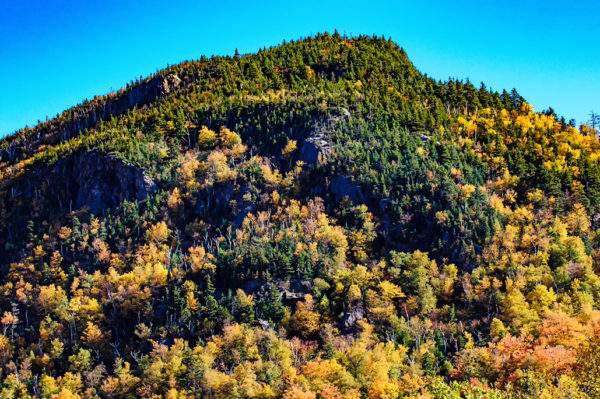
x=54 y=53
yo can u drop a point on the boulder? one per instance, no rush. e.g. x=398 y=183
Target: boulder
x=294 y=289
x=350 y=318
x=264 y=324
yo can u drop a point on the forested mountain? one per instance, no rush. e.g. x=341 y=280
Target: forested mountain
x=316 y=220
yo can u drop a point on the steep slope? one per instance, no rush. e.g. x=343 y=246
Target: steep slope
x=318 y=218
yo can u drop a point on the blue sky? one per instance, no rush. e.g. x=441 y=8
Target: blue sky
x=53 y=53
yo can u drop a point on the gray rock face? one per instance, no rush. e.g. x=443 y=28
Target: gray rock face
x=216 y=202
x=264 y=324
x=312 y=147
x=294 y=289
x=156 y=87
x=86 y=116
x=104 y=181
x=246 y=208
x=351 y=317
x=423 y=137
x=168 y=84
x=342 y=187
x=317 y=142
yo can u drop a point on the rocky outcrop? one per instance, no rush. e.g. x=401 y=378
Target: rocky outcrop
x=87 y=115
x=101 y=181
x=342 y=187
x=352 y=317
x=423 y=137
x=156 y=87
x=294 y=290
x=313 y=147
x=216 y=202
x=137 y=96
x=316 y=144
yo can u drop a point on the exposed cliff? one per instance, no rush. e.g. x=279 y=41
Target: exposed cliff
x=103 y=181
x=87 y=115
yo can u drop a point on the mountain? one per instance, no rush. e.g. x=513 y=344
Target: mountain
x=316 y=220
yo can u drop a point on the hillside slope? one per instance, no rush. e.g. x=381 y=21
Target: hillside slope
x=318 y=219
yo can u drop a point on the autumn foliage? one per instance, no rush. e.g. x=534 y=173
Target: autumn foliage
x=324 y=222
